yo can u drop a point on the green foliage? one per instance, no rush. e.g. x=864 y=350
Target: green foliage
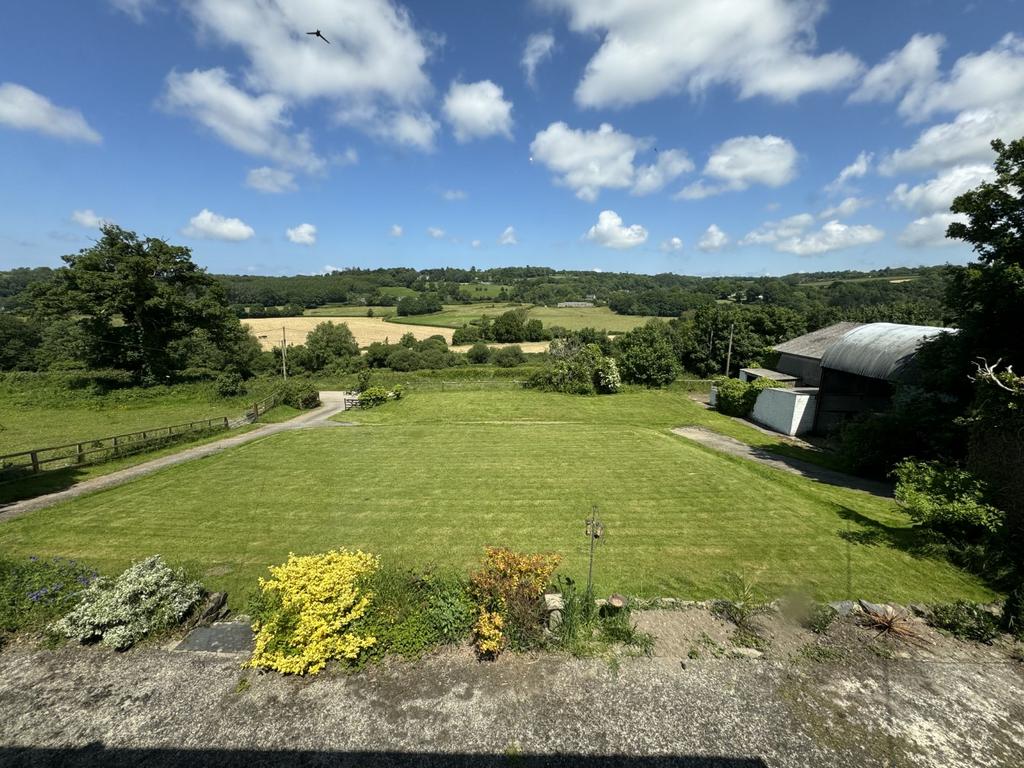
x=34 y=591
x=583 y=630
x=478 y=353
x=300 y=394
x=737 y=398
x=742 y=605
x=645 y=355
x=230 y=384
x=411 y=613
x=508 y=357
x=371 y=397
x=820 y=617
x=944 y=498
x=412 y=355
x=967 y=621
x=509 y=327
x=424 y=304
x=577 y=368
x=144 y=306
x=148 y=597
x=328 y=343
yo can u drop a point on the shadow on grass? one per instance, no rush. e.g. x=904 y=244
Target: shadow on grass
x=97 y=756
x=914 y=541
x=51 y=481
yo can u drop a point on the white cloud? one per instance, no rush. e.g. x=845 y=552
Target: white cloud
x=833 y=236
x=256 y=125
x=791 y=236
x=930 y=230
x=304 y=234
x=657 y=47
x=26 y=110
x=589 y=161
x=375 y=52
x=88 y=218
x=964 y=140
x=672 y=244
x=985 y=91
x=435 y=232
x=938 y=193
x=477 y=110
x=208 y=225
x=476 y=243
x=671 y=164
x=739 y=162
x=454 y=194
x=137 y=9
x=713 y=239
x=610 y=232
x=396 y=230
x=538 y=48
x=774 y=231
x=271 y=180
x=845 y=209
x=508 y=236
x=905 y=72
x=349 y=157
x=855 y=170
x=976 y=80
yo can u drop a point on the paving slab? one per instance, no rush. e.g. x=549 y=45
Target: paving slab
x=222 y=637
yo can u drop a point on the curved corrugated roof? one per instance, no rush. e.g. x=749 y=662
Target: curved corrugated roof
x=878 y=350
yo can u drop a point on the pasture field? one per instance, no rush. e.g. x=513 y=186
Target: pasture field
x=35 y=414
x=349 y=310
x=482 y=290
x=572 y=318
x=437 y=476
x=366 y=329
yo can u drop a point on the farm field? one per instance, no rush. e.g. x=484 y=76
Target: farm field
x=437 y=476
x=349 y=310
x=366 y=329
x=572 y=318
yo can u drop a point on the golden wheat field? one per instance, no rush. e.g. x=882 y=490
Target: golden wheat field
x=366 y=329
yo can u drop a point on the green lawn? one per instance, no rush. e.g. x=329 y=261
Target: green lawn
x=38 y=414
x=339 y=310
x=572 y=318
x=435 y=477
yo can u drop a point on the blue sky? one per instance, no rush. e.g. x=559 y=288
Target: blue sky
x=704 y=137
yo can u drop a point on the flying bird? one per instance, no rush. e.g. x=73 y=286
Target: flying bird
x=319 y=34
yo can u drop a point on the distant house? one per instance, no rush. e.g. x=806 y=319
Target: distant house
x=579 y=304
x=836 y=373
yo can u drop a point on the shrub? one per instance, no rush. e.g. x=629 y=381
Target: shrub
x=307 y=610
x=820 y=617
x=363 y=380
x=478 y=353
x=300 y=394
x=741 y=606
x=508 y=357
x=412 y=613
x=373 y=396
x=490 y=640
x=646 y=355
x=737 y=398
x=607 y=380
x=944 y=498
x=511 y=584
x=968 y=621
x=34 y=592
x=577 y=368
x=467 y=334
x=148 y=597
x=230 y=384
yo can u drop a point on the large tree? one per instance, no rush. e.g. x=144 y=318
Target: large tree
x=143 y=305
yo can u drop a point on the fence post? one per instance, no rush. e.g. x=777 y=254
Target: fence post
x=79 y=454
x=35 y=461
x=225 y=422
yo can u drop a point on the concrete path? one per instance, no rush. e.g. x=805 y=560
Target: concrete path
x=806 y=469
x=331 y=403
x=94 y=708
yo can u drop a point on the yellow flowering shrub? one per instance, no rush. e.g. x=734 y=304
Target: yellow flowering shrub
x=311 y=602
x=509 y=585
x=487 y=630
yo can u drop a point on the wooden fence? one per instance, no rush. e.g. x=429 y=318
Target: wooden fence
x=14 y=466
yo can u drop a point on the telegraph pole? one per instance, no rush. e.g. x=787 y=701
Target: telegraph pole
x=284 y=354
x=728 y=356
